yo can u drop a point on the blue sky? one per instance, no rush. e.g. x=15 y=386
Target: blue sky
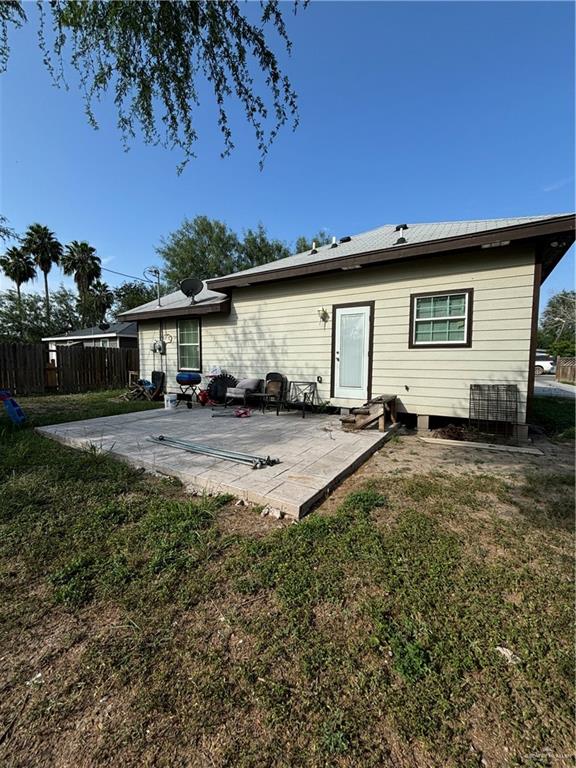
x=408 y=112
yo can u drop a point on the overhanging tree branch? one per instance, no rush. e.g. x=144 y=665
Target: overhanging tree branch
x=150 y=56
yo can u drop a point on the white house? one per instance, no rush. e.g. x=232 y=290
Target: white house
x=422 y=311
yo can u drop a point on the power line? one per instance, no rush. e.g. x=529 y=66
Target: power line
x=122 y=274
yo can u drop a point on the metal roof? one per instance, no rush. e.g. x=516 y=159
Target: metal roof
x=204 y=302
x=385 y=237
x=115 y=329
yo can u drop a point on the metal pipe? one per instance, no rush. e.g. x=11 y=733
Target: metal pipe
x=236 y=459
x=221 y=453
x=201 y=446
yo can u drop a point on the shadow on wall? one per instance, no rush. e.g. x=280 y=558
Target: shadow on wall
x=248 y=348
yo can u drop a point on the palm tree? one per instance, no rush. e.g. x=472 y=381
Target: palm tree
x=80 y=261
x=100 y=300
x=42 y=244
x=18 y=266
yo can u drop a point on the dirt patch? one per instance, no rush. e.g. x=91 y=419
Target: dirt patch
x=410 y=456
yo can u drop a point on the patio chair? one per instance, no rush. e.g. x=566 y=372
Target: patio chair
x=274 y=390
x=242 y=391
x=300 y=395
x=147 y=390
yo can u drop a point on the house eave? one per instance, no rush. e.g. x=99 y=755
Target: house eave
x=561 y=227
x=92 y=336
x=194 y=310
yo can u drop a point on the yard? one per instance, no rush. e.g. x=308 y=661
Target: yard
x=144 y=627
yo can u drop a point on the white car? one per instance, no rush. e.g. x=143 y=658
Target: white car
x=544 y=363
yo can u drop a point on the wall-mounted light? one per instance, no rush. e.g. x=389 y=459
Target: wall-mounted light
x=323 y=314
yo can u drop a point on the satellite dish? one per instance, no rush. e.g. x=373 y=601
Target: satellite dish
x=191 y=287
x=104 y=326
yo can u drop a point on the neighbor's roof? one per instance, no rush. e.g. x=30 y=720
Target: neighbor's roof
x=381 y=244
x=178 y=304
x=115 y=329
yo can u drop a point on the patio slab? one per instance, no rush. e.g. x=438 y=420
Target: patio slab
x=315 y=453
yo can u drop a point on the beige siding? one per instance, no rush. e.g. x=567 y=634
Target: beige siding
x=276 y=327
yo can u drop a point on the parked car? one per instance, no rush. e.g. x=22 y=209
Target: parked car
x=544 y=363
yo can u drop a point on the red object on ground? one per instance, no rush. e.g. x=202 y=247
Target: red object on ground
x=203 y=397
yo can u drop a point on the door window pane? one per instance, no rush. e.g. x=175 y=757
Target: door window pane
x=352 y=332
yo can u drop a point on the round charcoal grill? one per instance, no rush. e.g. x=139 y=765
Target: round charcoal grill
x=188 y=378
x=218 y=386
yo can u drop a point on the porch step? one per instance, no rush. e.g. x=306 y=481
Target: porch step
x=375 y=410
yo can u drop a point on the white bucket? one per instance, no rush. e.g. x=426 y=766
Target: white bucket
x=170 y=401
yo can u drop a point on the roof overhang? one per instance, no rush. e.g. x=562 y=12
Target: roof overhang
x=193 y=310
x=560 y=229
x=91 y=336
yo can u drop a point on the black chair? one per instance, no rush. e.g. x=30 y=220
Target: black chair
x=301 y=394
x=274 y=391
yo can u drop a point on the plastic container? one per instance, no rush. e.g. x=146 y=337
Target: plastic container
x=170 y=401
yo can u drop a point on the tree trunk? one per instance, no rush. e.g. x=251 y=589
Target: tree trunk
x=20 y=319
x=47 y=294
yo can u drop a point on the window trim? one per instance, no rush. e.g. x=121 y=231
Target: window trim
x=188 y=319
x=413 y=344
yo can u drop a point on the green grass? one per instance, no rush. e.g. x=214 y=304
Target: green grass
x=56 y=409
x=362 y=638
x=555 y=415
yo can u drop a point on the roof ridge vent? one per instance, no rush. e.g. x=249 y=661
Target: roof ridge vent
x=345 y=239
x=400 y=227
x=334 y=244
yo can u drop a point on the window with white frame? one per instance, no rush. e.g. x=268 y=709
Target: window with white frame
x=189 y=344
x=441 y=319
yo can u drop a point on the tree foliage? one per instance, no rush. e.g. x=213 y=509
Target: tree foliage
x=557 y=332
x=18 y=266
x=63 y=317
x=6 y=231
x=256 y=249
x=44 y=247
x=131 y=294
x=200 y=247
x=320 y=238
x=204 y=248
x=154 y=55
x=95 y=303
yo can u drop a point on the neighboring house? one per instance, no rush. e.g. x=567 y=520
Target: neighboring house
x=420 y=310
x=124 y=335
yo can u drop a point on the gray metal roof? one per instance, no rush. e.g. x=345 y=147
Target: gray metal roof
x=177 y=300
x=115 y=329
x=386 y=236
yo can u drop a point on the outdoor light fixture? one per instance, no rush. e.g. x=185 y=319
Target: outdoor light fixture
x=323 y=314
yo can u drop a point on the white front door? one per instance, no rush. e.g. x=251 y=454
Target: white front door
x=352 y=352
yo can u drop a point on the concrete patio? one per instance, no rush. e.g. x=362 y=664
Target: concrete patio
x=315 y=454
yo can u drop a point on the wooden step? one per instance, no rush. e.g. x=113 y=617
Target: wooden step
x=372 y=411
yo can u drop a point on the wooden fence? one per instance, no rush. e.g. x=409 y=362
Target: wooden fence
x=566 y=369
x=24 y=368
